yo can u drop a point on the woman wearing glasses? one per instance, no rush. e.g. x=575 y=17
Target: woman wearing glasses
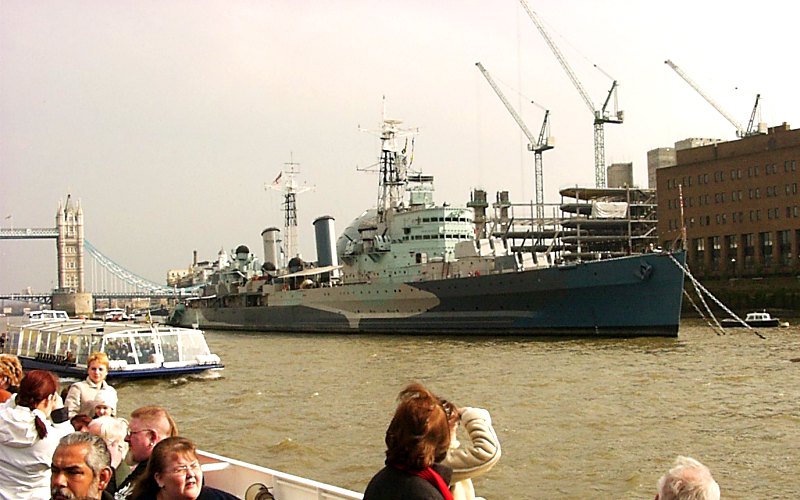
x=173 y=472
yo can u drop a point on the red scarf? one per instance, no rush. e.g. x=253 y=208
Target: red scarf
x=432 y=477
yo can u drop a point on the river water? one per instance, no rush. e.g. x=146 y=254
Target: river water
x=576 y=418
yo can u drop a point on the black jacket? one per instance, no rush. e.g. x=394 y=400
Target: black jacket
x=394 y=484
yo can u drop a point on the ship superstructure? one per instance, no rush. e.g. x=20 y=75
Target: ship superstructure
x=411 y=266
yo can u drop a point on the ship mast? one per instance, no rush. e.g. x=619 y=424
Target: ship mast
x=286 y=183
x=393 y=165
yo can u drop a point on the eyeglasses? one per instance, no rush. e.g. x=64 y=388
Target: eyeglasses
x=131 y=433
x=183 y=469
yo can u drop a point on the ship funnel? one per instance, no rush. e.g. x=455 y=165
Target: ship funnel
x=326 y=244
x=271 y=237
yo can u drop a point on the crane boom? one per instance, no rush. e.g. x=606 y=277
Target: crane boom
x=601 y=116
x=559 y=56
x=536 y=145
x=508 y=106
x=739 y=130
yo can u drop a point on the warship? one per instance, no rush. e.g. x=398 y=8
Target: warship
x=411 y=267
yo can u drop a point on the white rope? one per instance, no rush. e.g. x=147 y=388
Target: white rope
x=697 y=284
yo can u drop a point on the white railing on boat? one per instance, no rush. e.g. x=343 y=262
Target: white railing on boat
x=236 y=477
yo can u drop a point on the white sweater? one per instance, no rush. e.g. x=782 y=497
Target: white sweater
x=475 y=457
x=24 y=458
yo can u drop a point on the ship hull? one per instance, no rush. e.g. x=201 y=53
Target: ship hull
x=625 y=297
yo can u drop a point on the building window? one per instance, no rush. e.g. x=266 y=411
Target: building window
x=700 y=250
x=730 y=243
x=748 y=244
x=766 y=247
x=784 y=247
x=715 y=251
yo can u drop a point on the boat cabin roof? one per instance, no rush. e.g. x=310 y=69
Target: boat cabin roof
x=757 y=316
x=46 y=315
x=125 y=344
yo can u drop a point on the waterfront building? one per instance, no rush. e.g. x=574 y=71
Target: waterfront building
x=741 y=208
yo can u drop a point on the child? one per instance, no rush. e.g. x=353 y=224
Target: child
x=105 y=404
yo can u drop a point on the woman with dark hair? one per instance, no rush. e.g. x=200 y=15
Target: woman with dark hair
x=30 y=427
x=417 y=438
x=173 y=472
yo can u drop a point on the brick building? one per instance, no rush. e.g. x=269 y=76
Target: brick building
x=741 y=205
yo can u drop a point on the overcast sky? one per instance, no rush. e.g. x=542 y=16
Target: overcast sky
x=166 y=118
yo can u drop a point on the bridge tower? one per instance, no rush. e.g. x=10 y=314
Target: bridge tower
x=70 y=294
x=69 y=224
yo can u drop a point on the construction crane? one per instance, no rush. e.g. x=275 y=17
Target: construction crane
x=761 y=126
x=601 y=116
x=740 y=131
x=543 y=143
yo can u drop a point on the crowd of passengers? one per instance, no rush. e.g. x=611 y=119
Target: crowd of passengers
x=119 y=349
x=70 y=444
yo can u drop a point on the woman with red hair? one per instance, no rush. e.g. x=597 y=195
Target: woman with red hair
x=417 y=438
x=30 y=428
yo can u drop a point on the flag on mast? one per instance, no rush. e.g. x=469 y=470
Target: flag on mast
x=277 y=180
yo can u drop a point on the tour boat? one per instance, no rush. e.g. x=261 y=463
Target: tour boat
x=135 y=350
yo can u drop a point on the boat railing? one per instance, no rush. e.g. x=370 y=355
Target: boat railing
x=238 y=477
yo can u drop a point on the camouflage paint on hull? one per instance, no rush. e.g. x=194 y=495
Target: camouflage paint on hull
x=627 y=297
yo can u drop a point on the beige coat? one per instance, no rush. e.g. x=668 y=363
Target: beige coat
x=475 y=457
x=81 y=396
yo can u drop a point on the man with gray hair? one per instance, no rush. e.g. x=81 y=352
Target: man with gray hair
x=688 y=479
x=81 y=468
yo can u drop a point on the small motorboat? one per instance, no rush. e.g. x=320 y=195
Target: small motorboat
x=761 y=319
x=134 y=350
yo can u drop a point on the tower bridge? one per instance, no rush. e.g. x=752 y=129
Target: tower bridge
x=108 y=280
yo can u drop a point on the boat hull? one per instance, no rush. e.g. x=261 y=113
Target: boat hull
x=771 y=323
x=625 y=297
x=140 y=373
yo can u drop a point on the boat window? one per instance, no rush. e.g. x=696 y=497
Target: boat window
x=193 y=344
x=87 y=345
x=119 y=348
x=145 y=349
x=71 y=344
x=170 y=348
x=50 y=343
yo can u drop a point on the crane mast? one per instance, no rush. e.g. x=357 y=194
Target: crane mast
x=601 y=116
x=536 y=145
x=543 y=144
x=750 y=125
x=740 y=132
